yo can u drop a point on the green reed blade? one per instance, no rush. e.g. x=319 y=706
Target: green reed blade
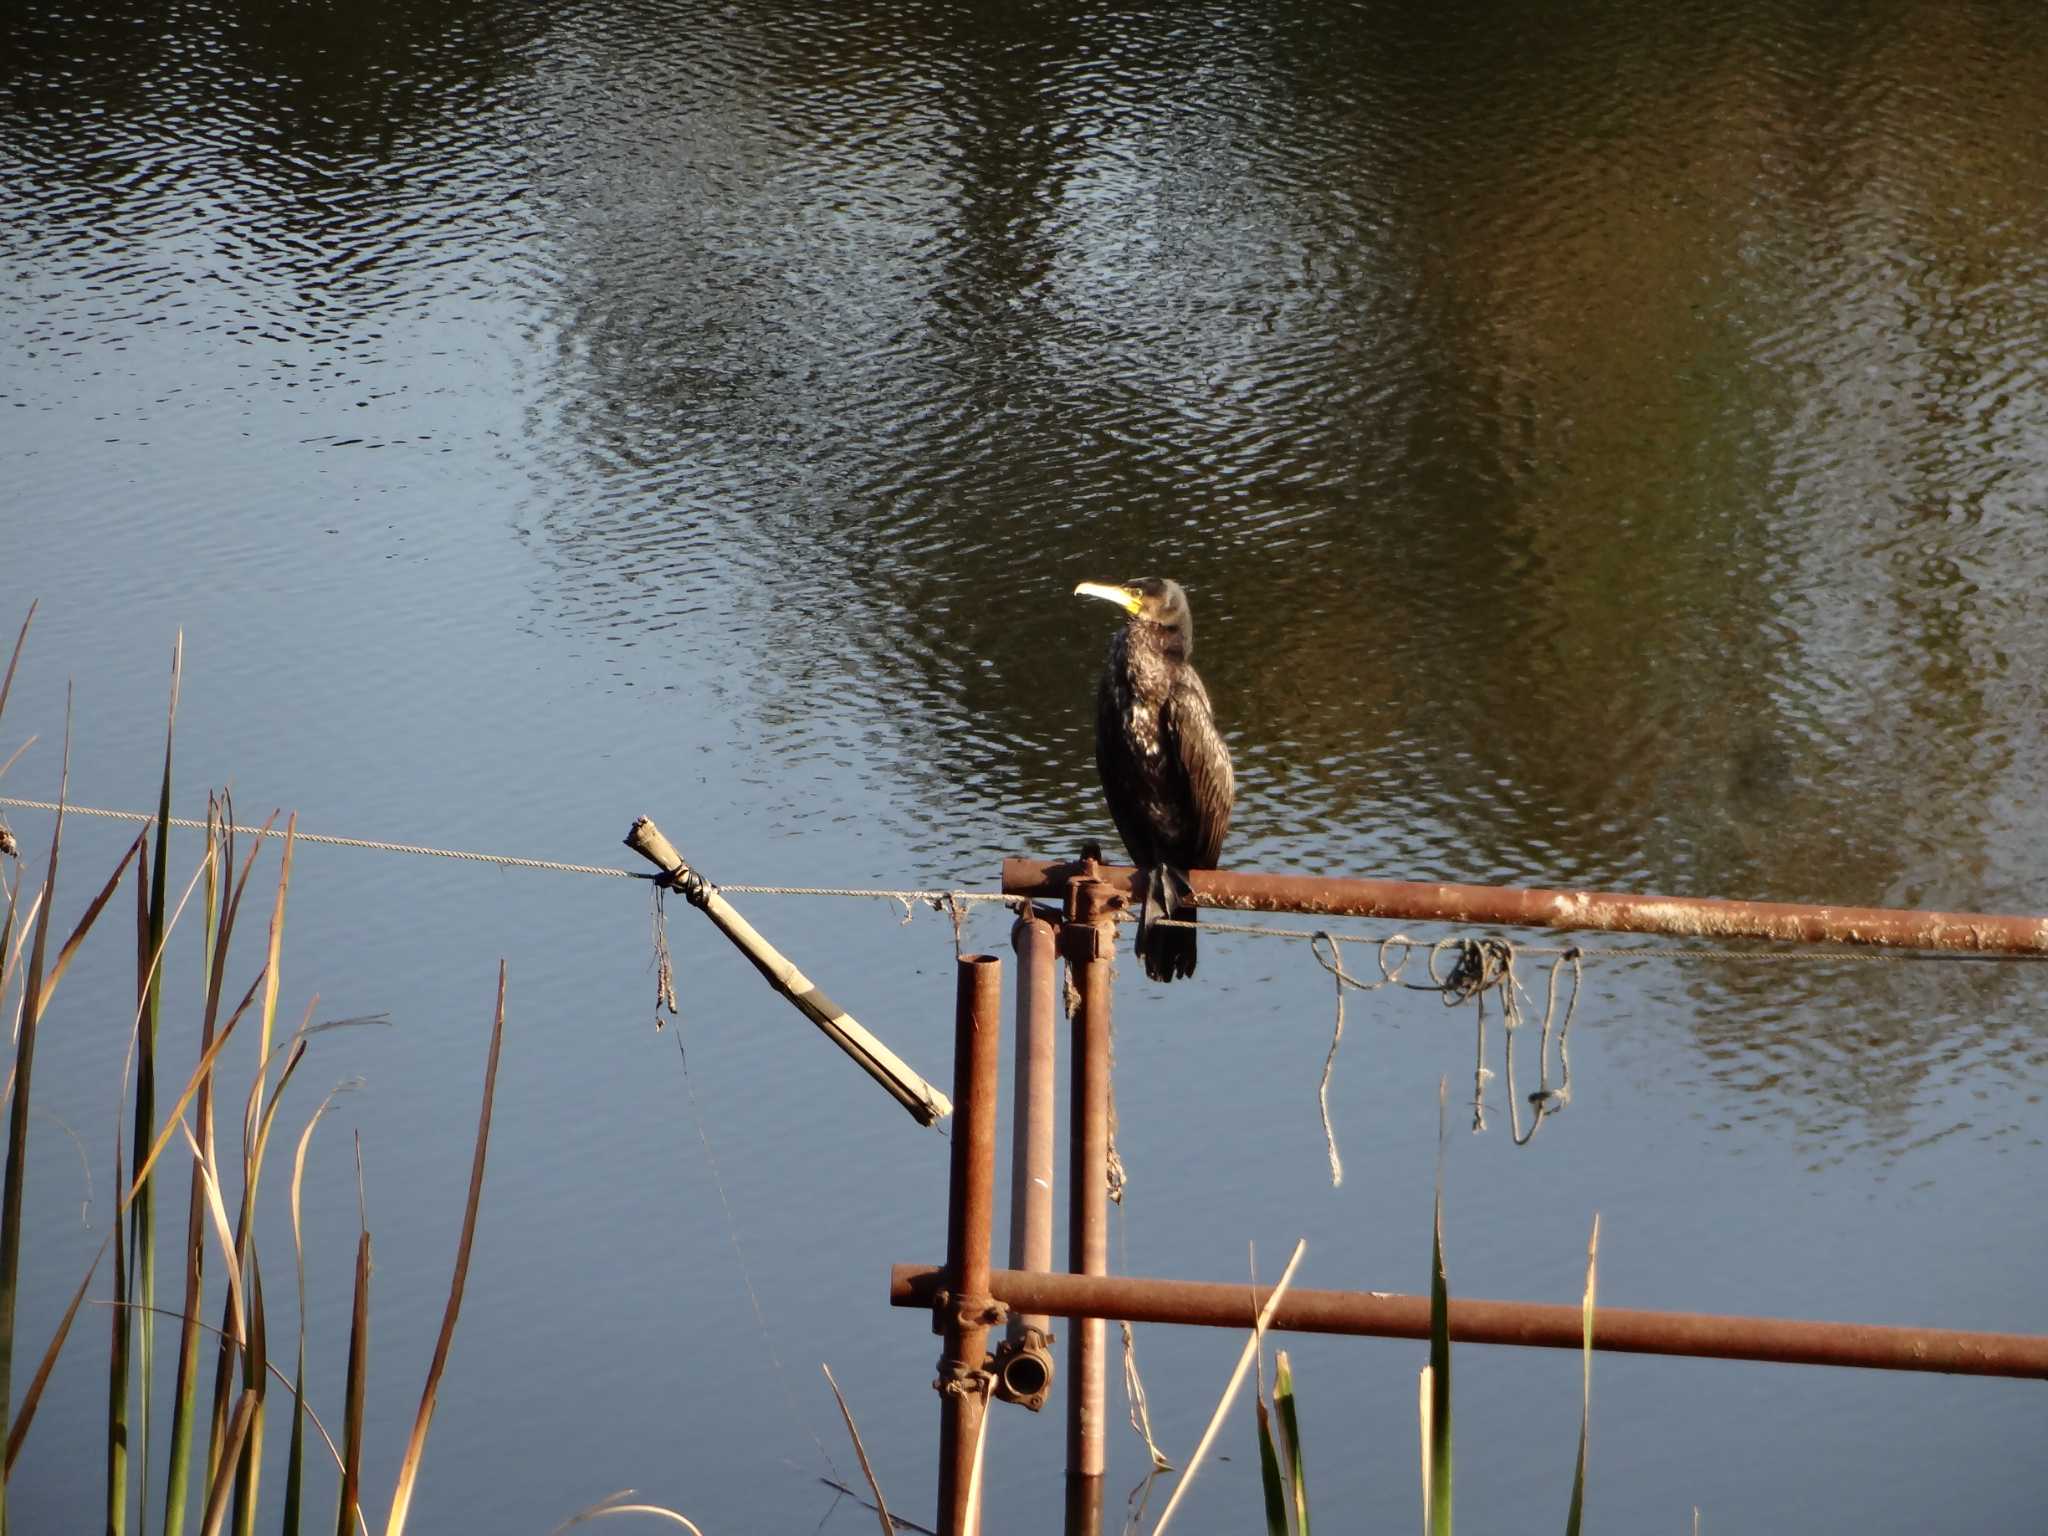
x=1290 y=1429
x=409 y=1468
x=14 y=1180
x=1269 y=1474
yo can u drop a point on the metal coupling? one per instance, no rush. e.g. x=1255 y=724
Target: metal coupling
x=968 y=1311
x=1023 y=1367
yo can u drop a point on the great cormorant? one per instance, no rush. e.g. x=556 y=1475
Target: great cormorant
x=1165 y=771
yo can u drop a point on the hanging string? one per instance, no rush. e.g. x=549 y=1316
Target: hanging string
x=1343 y=978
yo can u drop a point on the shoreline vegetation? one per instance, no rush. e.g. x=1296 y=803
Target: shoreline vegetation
x=206 y=1463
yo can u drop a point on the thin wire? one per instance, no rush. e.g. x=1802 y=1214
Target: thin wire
x=374 y=844
x=950 y=901
x=732 y=1233
x=938 y=900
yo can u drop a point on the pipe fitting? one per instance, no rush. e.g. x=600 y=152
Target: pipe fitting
x=1023 y=1369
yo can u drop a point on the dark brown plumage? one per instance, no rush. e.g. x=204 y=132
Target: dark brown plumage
x=1165 y=771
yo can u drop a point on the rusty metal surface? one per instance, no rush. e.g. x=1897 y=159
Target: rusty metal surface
x=1087 y=938
x=1035 y=1125
x=1607 y=911
x=970 y=1218
x=1628 y=1330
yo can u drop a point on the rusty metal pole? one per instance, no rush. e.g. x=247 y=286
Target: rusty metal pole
x=1024 y=1359
x=1628 y=1330
x=1090 y=942
x=970 y=1218
x=1504 y=906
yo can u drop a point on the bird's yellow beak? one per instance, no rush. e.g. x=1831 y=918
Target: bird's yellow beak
x=1123 y=597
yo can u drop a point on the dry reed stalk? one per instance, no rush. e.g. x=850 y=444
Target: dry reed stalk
x=223 y=1484
x=866 y=1468
x=1230 y=1390
x=409 y=1468
x=1575 y=1513
x=295 y=1461
x=26 y=1414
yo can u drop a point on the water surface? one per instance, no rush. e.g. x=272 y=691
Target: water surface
x=1604 y=447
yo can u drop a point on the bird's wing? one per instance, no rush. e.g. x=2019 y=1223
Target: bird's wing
x=1211 y=787
x=1124 y=784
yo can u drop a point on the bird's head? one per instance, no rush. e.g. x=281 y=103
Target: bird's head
x=1150 y=600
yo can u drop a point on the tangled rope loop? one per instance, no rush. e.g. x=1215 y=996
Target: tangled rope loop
x=1483 y=965
x=1480 y=966
x=1488 y=965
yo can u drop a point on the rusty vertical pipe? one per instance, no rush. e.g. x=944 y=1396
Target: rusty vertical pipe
x=970 y=1218
x=1090 y=939
x=1024 y=1362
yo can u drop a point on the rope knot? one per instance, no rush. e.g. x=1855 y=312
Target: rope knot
x=697 y=891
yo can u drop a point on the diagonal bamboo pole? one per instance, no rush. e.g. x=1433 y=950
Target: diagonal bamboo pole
x=926 y=1104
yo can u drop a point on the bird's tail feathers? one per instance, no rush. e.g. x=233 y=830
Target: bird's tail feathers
x=1168 y=952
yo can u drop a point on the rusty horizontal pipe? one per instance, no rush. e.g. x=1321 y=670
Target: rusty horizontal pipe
x=1613 y=912
x=1535 y=1325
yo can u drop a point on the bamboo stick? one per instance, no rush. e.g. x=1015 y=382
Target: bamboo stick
x=924 y=1102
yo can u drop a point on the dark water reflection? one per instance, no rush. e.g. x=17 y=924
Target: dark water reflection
x=1601 y=451
x=1605 y=444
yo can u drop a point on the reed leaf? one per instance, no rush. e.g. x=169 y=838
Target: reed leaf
x=13 y=1181
x=271 y=969
x=142 y=1231
x=14 y=937
x=1437 y=1435
x=409 y=1468
x=256 y=1360
x=25 y=1415
x=223 y=1483
x=122 y=1327
x=14 y=660
x=148 y=961
x=11 y=964
x=1269 y=1475
x=254 y=1353
x=217 y=1209
x=1290 y=1430
x=866 y=1468
x=225 y=1356
x=64 y=955
x=313 y=1418
x=295 y=1459
x=175 y=1121
x=1578 y=1504
x=84 y=924
x=349 y=1514
x=1424 y=1383
x=185 y=1393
